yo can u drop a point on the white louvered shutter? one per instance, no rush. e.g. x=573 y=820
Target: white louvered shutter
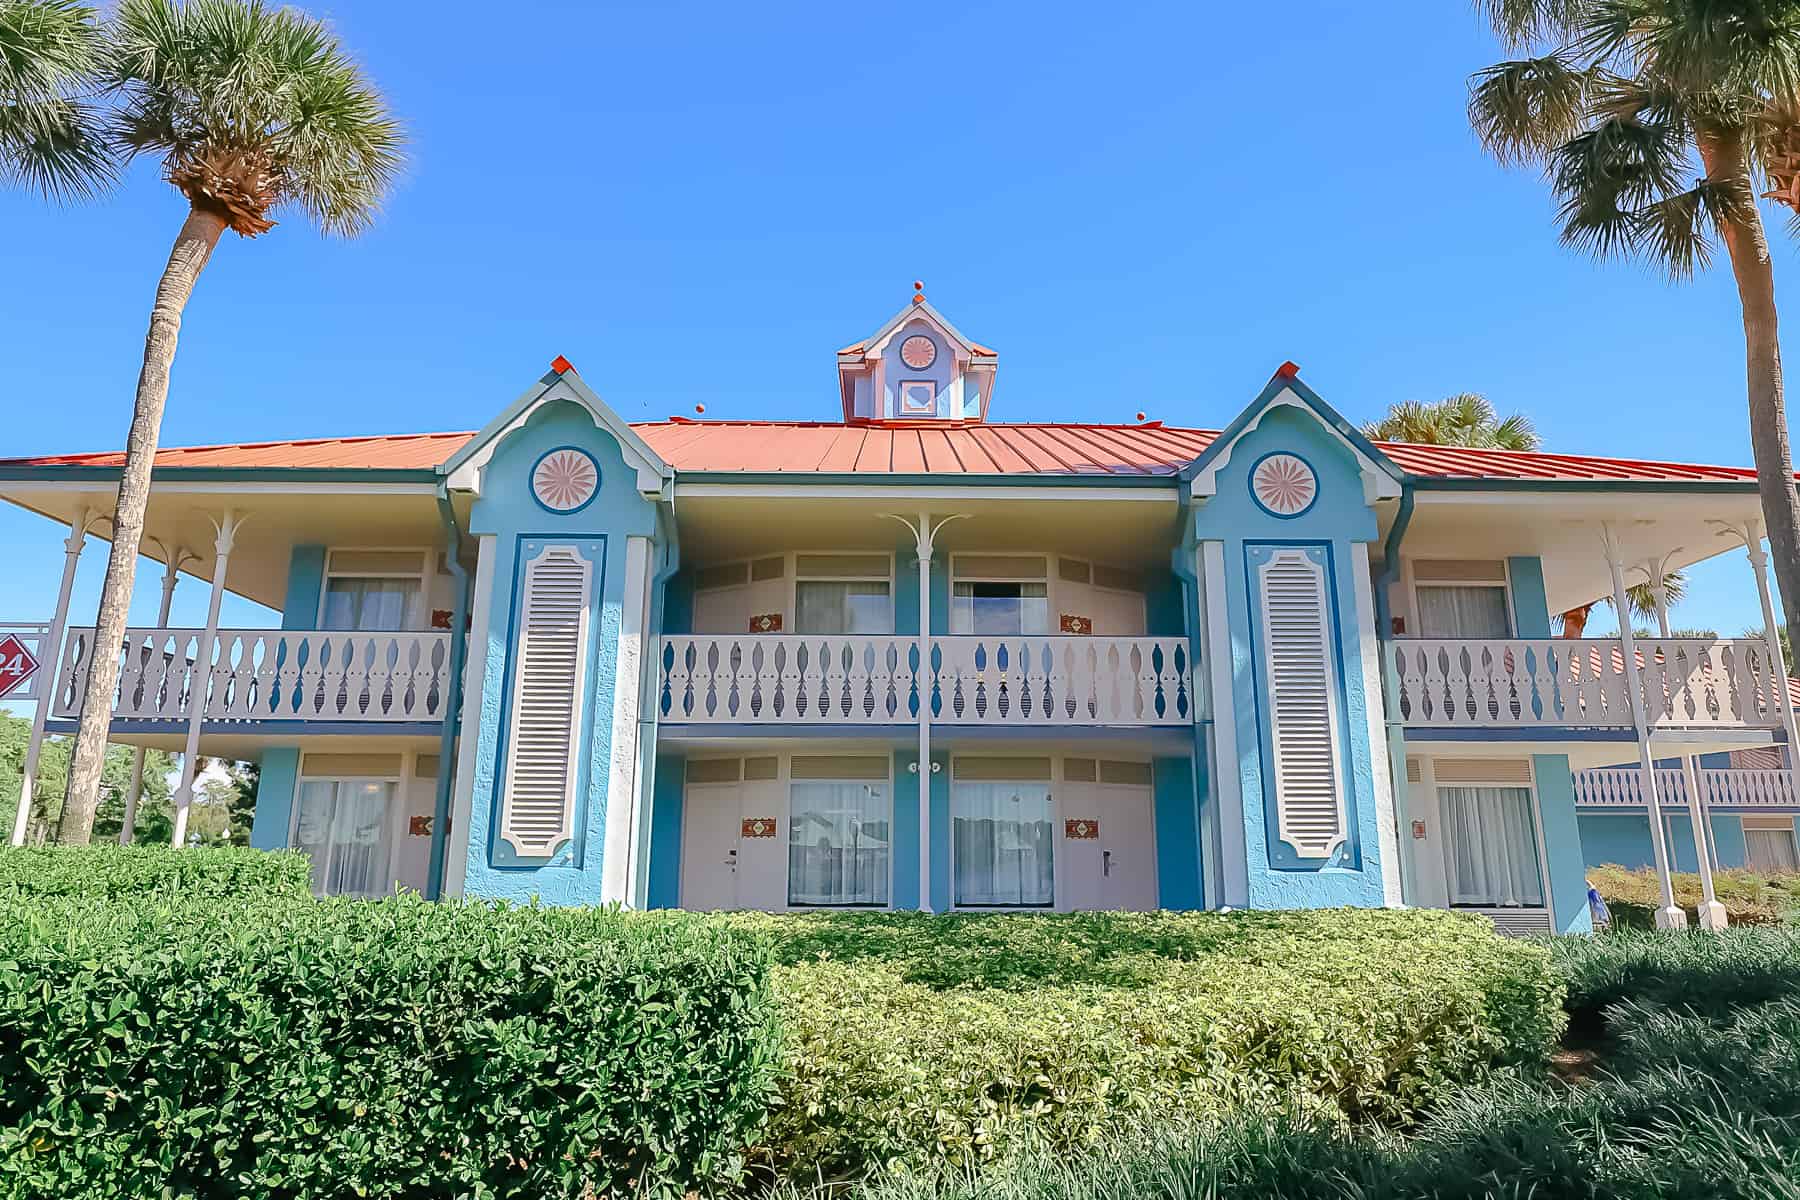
x=537 y=803
x=1302 y=699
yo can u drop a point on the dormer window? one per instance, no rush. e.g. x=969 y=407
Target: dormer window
x=916 y=366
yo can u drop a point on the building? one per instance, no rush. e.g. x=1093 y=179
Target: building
x=917 y=657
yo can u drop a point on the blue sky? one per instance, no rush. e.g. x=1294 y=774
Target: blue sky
x=1141 y=206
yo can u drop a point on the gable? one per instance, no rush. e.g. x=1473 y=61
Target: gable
x=1298 y=407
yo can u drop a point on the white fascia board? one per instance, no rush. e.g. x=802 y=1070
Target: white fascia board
x=1378 y=483
x=887 y=492
x=463 y=472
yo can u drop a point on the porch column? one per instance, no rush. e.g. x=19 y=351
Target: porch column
x=200 y=685
x=52 y=654
x=1669 y=916
x=1750 y=533
x=1712 y=913
x=174 y=558
x=924 y=540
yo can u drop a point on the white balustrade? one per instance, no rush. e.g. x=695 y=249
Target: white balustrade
x=801 y=679
x=1062 y=681
x=1582 y=683
x=267 y=675
x=788 y=678
x=1722 y=787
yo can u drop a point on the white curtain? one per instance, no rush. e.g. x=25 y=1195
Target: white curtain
x=344 y=827
x=855 y=606
x=1771 y=851
x=1463 y=612
x=1492 y=847
x=1002 y=844
x=838 y=844
x=371 y=605
x=1000 y=608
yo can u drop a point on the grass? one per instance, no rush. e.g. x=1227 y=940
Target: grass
x=1695 y=1094
x=1749 y=898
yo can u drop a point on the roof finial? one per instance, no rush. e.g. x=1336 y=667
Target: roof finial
x=918 y=292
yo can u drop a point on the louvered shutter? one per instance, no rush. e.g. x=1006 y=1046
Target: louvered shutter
x=537 y=803
x=1303 y=703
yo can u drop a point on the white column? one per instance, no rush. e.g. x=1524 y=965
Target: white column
x=200 y=688
x=1668 y=916
x=1712 y=913
x=468 y=738
x=624 y=787
x=924 y=538
x=174 y=558
x=1759 y=562
x=52 y=656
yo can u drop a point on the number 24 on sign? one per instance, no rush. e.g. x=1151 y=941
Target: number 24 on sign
x=16 y=664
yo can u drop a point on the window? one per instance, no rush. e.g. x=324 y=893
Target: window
x=345 y=827
x=1461 y=599
x=999 y=594
x=1491 y=847
x=843 y=593
x=918 y=398
x=1002 y=833
x=838 y=834
x=372 y=590
x=1769 y=845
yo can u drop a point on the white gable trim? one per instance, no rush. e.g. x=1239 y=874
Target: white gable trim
x=1378 y=482
x=875 y=343
x=464 y=470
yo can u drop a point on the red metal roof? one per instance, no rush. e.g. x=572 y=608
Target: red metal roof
x=951 y=448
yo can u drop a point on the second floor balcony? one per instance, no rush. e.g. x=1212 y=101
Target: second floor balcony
x=1017 y=680
x=262 y=675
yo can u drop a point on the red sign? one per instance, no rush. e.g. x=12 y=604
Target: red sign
x=16 y=664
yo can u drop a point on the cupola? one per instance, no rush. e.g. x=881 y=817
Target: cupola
x=916 y=367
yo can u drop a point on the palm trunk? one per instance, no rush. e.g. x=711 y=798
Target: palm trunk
x=193 y=246
x=1748 y=245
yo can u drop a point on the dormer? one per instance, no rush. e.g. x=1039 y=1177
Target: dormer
x=916 y=367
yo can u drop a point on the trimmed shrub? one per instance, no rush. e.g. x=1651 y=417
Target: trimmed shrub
x=170 y=1046
x=213 y=871
x=1706 y=973
x=923 y=1040
x=1749 y=898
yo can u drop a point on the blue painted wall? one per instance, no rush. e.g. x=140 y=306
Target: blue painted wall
x=1624 y=839
x=1338 y=518
x=1531 y=611
x=1179 y=875
x=275 y=798
x=507 y=510
x=940 y=834
x=664 y=890
x=305 y=583
x=904 y=838
x=1165 y=605
x=1562 y=843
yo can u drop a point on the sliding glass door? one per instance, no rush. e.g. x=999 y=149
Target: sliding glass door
x=1002 y=844
x=1491 y=847
x=346 y=827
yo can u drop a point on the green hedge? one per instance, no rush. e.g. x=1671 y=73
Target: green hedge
x=923 y=1040
x=1749 y=898
x=221 y=871
x=171 y=1046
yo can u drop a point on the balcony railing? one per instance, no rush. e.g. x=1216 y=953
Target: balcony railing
x=1582 y=683
x=861 y=679
x=266 y=675
x=1721 y=787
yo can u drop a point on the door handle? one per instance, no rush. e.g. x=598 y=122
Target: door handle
x=731 y=859
x=1106 y=862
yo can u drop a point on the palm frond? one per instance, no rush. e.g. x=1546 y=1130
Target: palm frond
x=1522 y=110
x=1465 y=419
x=52 y=56
x=1524 y=22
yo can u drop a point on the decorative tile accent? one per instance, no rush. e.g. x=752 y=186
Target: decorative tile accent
x=419 y=826
x=758 y=827
x=1081 y=829
x=565 y=479
x=1075 y=624
x=1419 y=831
x=440 y=618
x=765 y=623
x=1284 y=484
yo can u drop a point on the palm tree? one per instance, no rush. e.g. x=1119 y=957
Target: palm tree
x=51 y=56
x=1653 y=121
x=1465 y=419
x=249 y=110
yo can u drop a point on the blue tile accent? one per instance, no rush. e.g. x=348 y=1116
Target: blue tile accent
x=665 y=830
x=305 y=584
x=1562 y=843
x=1179 y=883
x=1531 y=611
x=275 y=798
